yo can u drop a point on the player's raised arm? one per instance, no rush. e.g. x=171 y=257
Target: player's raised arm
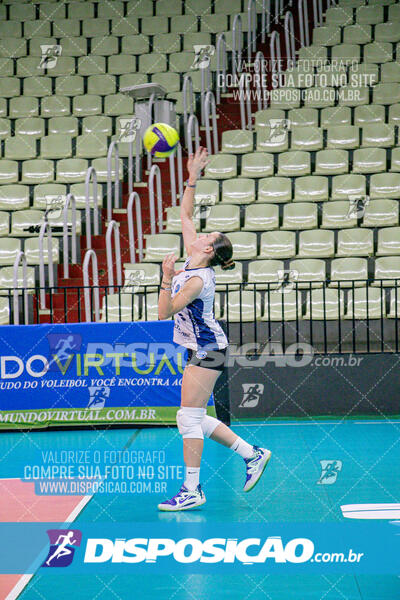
x=168 y=306
x=195 y=165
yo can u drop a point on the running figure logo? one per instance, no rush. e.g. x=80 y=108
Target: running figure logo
x=62 y=348
x=329 y=471
x=98 y=396
x=252 y=393
x=62 y=547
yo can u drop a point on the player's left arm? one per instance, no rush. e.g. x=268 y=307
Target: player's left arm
x=168 y=306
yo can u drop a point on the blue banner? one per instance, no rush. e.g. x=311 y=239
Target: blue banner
x=89 y=373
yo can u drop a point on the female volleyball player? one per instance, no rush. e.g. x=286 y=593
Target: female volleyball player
x=189 y=296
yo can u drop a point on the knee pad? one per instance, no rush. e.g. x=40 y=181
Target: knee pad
x=189 y=421
x=208 y=425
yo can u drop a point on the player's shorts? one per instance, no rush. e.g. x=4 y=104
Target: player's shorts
x=208 y=359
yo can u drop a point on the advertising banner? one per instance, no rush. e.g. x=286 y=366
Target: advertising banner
x=89 y=374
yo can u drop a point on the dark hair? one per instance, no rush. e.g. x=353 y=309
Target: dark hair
x=222 y=253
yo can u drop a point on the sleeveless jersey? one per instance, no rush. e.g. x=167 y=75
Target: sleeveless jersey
x=195 y=325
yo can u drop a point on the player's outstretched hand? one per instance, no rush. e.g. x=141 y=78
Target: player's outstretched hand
x=197 y=162
x=168 y=267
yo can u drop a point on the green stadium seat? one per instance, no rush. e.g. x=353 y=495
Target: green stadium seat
x=144 y=9
x=71 y=170
x=168 y=8
x=345 y=271
x=268 y=142
x=299 y=77
x=149 y=307
x=332 y=116
x=338 y=15
x=6 y=67
x=74 y=46
x=110 y=10
x=394 y=307
x=127 y=26
x=79 y=192
x=9 y=248
x=65 y=65
x=301 y=215
x=237 y=141
x=84 y=106
x=390 y=72
x=370 y=113
x=395 y=160
x=173 y=220
x=14 y=197
x=170 y=81
x=5 y=128
x=139 y=277
x=257 y=164
x=369 y=160
x=309 y=272
x=221 y=166
x=385 y=186
x=388 y=241
x=331 y=76
x=93 y=65
x=357 y=34
x=387 y=271
x=285 y=98
x=238 y=191
x=100 y=164
x=63 y=126
x=70 y=85
x=154 y=25
x=207 y=192
x=118 y=104
x=96 y=124
x=366 y=303
x=56 y=145
x=55 y=106
x=363 y=74
x=355 y=242
x=343 y=136
x=38 y=28
x=324 y=305
x=190 y=39
x=223 y=218
x=316 y=243
x=243 y=306
x=244 y=244
x=313 y=52
x=24 y=222
x=101 y=85
x=65 y=28
x=233 y=277
x=31 y=250
x=307 y=138
x=9 y=87
x=312 y=188
x=278 y=244
x=274 y=189
x=353 y=96
x=185 y=23
x=152 y=63
x=386 y=93
x=346 y=52
x=331 y=162
x=261 y=217
x=337 y=215
x=381 y=212
x=37 y=86
x=80 y=10
x=214 y=23
x=22 y=12
x=197 y=7
x=8 y=171
x=23 y=106
x=91 y=145
x=351 y=3
x=10 y=29
x=394 y=114
x=387 y=32
x=378 y=52
x=294 y=163
x=45 y=194
x=394 y=13
x=129 y=79
x=264 y=274
x=327 y=35
x=317 y=97
x=282 y=306
x=92 y=28
x=4 y=223
x=262 y=118
x=27 y=66
x=158 y=245
x=105 y=46
x=37 y=171
x=303 y=117
x=378 y=135
x=32 y=127
x=138 y=44
x=369 y=15
x=344 y=186
x=7 y=280
x=120 y=307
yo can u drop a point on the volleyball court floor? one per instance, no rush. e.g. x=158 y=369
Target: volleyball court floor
x=367 y=450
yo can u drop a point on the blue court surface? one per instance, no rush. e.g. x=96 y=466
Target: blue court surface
x=368 y=452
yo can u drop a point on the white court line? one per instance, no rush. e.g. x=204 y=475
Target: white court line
x=237 y=424
x=371 y=511
x=25 y=579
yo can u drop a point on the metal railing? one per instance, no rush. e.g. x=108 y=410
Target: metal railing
x=290 y=39
x=260 y=73
x=134 y=198
x=178 y=156
x=222 y=66
x=245 y=104
x=187 y=91
x=155 y=173
x=91 y=175
x=110 y=204
x=237 y=45
x=45 y=227
x=193 y=123
x=113 y=227
x=303 y=23
x=334 y=316
x=210 y=104
x=252 y=28
x=15 y=292
x=69 y=200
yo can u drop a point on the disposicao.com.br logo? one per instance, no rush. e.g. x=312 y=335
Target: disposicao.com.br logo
x=212 y=550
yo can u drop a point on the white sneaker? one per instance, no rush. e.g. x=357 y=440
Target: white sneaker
x=184 y=499
x=255 y=466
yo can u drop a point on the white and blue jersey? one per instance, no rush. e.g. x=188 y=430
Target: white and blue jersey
x=195 y=325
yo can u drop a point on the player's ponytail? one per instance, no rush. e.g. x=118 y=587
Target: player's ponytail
x=222 y=253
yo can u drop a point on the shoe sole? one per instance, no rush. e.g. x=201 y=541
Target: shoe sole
x=174 y=509
x=259 y=477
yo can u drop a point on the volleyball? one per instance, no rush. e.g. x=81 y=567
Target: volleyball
x=160 y=139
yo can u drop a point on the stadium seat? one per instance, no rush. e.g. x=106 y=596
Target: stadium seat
x=319 y=97
x=20 y=147
x=355 y=242
x=278 y=244
x=387 y=32
x=261 y=217
x=301 y=215
x=378 y=135
x=14 y=197
x=284 y=306
x=23 y=106
x=331 y=162
x=306 y=138
x=312 y=52
x=346 y=137
x=37 y=171
x=91 y=145
x=303 y=117
x=149 y=307
x=238 y=191
x=9 y=248
x=335 y=115
x=324 y=305
x=369 y=160
x=31 y=250
x=326 y=35
x=388 y=241
x=67 y=126
x=4 y=223
x=56 y=145
x=346 y=272
x=387 y=271
x=394 y=306
x=357 y=34
x=243 y=306
x=309 y=272
x=71 y=170
x=25 y=222
x=378 y=52
x=129 y=25
x=364 y=74
x=96 y=125
x=221 y=166
x=232 y=277
x=386 y=93
x=257 y=164
x=120 y=307
x=207 y=192
x=86 y=105
x=139 y=277
x=223 y=218
x=158 y=245
x=366 y=303
x=369 y=15
x=8 y=171
x=244 y=245
x=100 y=165
x=263 y=118
x=173 y=220
x=267 y=141
x=274 y=189
x=381 y=213
x=312 y=188
x=390 y=72
x=338 y=15
x=316 y=243
x=385 y=185
x=337 y=215
x=237 y=141
x=55 y=106
x=370 y=113
x=7 y=279
x=163 y=42
x=294 y=163
x=264 y=274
